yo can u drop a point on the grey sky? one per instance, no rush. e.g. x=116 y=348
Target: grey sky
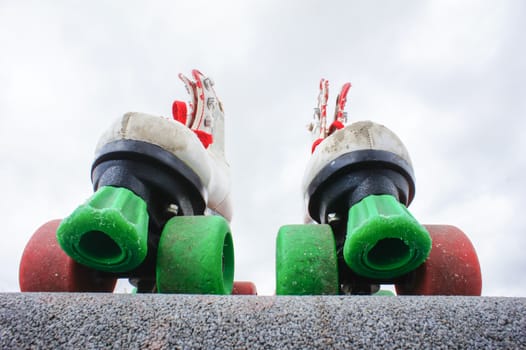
x=446 y=76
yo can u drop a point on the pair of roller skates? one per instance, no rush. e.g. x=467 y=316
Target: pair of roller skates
x=160 y=214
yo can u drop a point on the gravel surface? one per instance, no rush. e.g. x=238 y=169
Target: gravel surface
x=98 y=321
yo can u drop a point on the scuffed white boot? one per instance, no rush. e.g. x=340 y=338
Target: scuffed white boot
x=360 y=180
x=195 y=136
x=340 y=145
x=155 y=178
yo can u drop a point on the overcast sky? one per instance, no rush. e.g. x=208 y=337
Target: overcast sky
x=447 y=76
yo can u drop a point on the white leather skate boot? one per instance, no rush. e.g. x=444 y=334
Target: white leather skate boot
x=360 y=181
x=154 y=179
x=195 y=137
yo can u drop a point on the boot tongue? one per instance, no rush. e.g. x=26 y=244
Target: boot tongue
x=180 y=112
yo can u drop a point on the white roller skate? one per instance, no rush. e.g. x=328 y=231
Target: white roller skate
x=154 y=180
x=357 y=184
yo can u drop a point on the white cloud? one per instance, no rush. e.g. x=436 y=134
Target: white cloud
x=455 y=35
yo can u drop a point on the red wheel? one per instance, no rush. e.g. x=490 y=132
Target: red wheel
x=244 y=288
x=451 y=269
x=46 y=268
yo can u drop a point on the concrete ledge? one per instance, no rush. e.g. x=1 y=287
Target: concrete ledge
x=68 y=321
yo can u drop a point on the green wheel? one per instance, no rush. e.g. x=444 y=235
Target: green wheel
x=306 y=262
x=195 y=256
x=109 y=232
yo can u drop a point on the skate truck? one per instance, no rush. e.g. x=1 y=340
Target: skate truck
x=357 y=187
x=160 y=211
